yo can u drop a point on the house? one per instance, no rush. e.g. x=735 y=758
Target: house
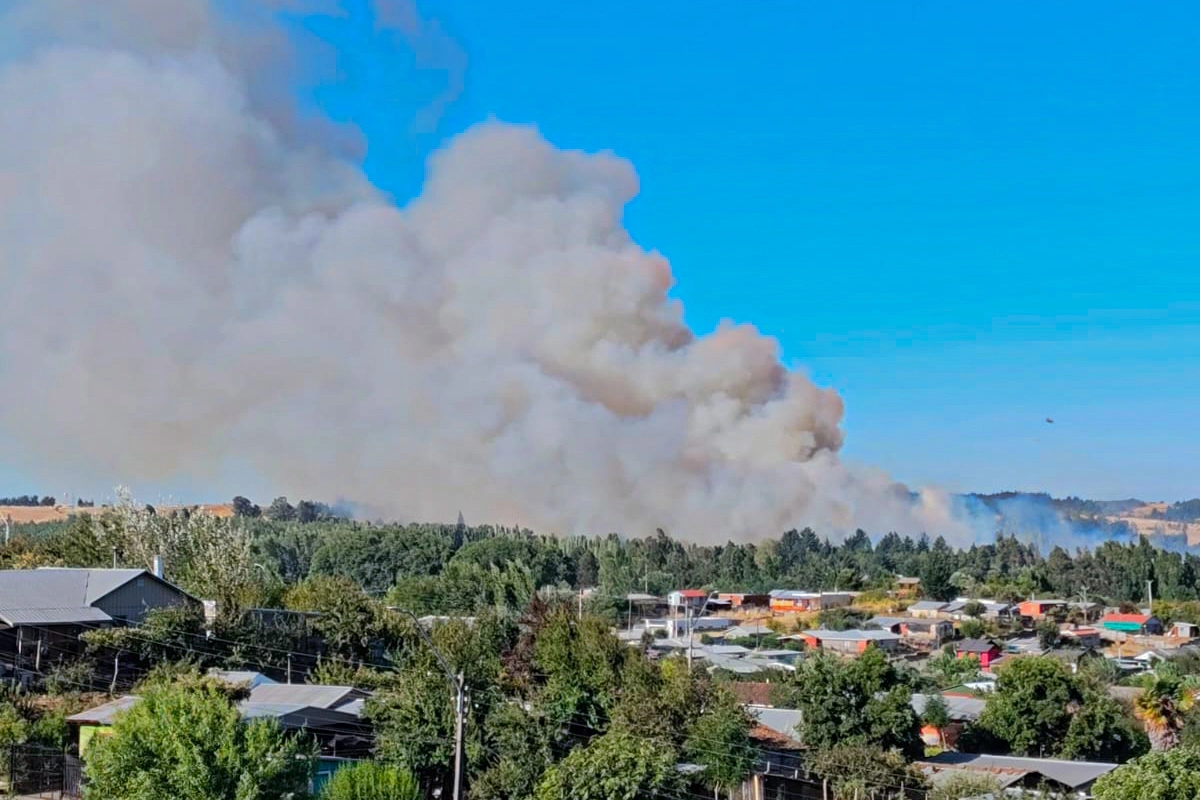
x=1184 y=630
x=681 y=600
x=988 y=609
x=915 y=630
x=43 y=611
x=782 y=722
x=1063 y=778
x=738 y=600
x=1038 y=609
x=851 y=642
x=1139 y=624
x=961 y=710
x=982 y=650
x=907 y=587
x=784 y=602
x=926 y=609
x=1090 y=612
x=678 y=628
x=1082 y=637
x=332 y=715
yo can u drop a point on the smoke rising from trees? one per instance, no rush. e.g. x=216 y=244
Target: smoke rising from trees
x=194 y=273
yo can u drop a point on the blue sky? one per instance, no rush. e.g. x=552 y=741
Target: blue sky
x=965 y=217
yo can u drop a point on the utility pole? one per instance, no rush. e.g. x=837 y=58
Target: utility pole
x=1150 y=595
x=458 y=683
x=460 y=716
x=7 y=527
x=688 y=621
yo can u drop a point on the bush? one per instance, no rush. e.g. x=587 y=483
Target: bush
x=371 y=780
x=68 y=677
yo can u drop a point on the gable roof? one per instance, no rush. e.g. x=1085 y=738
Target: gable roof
x=975 y=646
x=62 y=595
x=927 y=605
x=304 y=695
x=958 y=707
x=1074 y=774
x=106 y=713
x=853 y=635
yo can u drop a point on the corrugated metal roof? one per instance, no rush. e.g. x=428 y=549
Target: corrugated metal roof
x=927 y=605
x=52 y=616
x=92 y=583
x=1075 y=774
x=783 y=721
x=960 y=709
x=853 y=635
x=106 y=713
x=250 y=678
x=303 y=694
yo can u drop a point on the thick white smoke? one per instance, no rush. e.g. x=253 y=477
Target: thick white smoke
x=191 y=275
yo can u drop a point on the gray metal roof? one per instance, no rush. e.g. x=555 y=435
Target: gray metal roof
x=54 y=587
x=783 y=721
x=250 y=678
x=52 y=616
x=960 y=709
x=927 y=605
x=60 y=595
x=974 y=646
x=1075 y=774
x=853 y=635
x=304 y=695
x=106 y=713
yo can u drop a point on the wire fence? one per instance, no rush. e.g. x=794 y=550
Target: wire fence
x=35 y=771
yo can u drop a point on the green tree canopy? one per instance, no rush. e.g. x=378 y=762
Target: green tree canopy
x=862 y=702
x=1173 y=775
x=188 y=742
x=371 y=780
x=1032 y=706
x=616 y=766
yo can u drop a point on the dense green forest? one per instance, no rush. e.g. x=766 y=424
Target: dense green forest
x=437 y=568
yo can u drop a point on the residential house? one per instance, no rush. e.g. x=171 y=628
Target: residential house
x=1064 y=779
x=1138 y=624
x=739 y=600
x=681 y=600
x=1082 y=637
x=926 y=609
x=1089 y=611
x=332 y=715
x=982 y=650
x=851 y=642
x=907 y=587
x=1184 y=630
x=991 y=609
x=679 y=627
x=784 y=601
x=917 y=631
x=43 y=611
x=1039 y=609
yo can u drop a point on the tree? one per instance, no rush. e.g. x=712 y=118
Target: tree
x=936 y=714
x=1047 y=633
x=371 y=780
x=971 y=629
x=862 y=702
x=948 y=670
x=974 y=609
x=861 y=773
x=188 y=741
x=1163 y=707
x=615 y=766
x=1101 y=731
x=1173 y=775
x=242 y=507
x=1032 y=705
x=719 y=740
x=280 y=510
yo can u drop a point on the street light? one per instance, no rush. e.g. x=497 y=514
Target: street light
x=458 y=684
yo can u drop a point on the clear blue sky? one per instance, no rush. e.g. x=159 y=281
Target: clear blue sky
x=965 y=217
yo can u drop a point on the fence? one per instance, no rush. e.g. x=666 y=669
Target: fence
x=44 y=772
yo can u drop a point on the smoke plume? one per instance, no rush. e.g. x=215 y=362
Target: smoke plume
x=193 y=274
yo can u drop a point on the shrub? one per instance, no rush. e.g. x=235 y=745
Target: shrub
x=371 y=780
